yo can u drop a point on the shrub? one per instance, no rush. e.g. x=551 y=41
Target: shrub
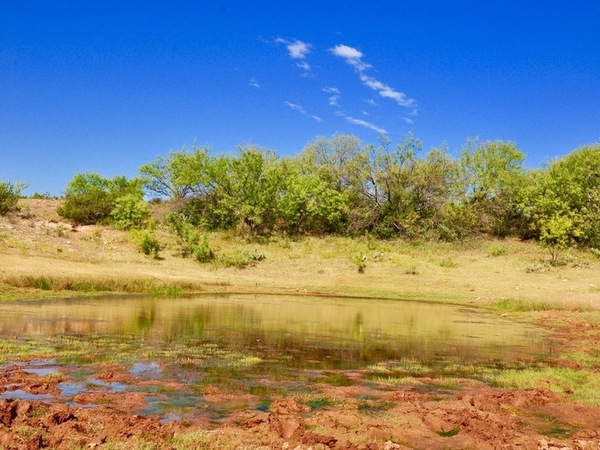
x=497 y=250
x=242 y=259
x=9 y=196
x=448 y=262
x=191 y=242
x=202 y=251
x=90 y=198
x=360 y=260
x=147 y=243
x=130 y=212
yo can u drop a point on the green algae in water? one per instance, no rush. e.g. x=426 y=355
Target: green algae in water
x=267 y=344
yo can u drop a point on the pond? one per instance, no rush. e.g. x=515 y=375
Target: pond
x=239 y=341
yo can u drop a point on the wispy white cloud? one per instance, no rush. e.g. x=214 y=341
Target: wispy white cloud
x=408 y=121
x=331 y=90
x=334 y=97
x=298 y=50
x=364 y=123
x=301 y=110
x=354 y=57
x=386 y=91
x=254 y=83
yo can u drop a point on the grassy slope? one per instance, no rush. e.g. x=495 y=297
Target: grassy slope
x=37 y=244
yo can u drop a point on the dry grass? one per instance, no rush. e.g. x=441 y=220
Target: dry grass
x=37 y=244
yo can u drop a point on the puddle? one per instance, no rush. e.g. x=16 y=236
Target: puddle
x=20 y=394
x=43 y=371
x=69 y=390
x=150 y=370
x=113 y=387
x=258 y=345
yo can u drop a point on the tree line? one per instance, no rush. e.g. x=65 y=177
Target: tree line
x=339 y=185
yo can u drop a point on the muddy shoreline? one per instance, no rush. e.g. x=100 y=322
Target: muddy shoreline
x=358 y=416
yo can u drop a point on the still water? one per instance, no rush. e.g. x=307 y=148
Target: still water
x=297 y=332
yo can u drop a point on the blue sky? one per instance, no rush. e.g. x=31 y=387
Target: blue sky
x=108 y=86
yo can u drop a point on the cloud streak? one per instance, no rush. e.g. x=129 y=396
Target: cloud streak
x=364 y=123
x=354 y=57
x=301 y=110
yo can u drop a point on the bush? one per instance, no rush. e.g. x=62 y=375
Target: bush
x=90 y=198
x=360 y=260
x=130 y=212
x=147 y=243
x=191 y=242
x=242 y=259
x=9 y=196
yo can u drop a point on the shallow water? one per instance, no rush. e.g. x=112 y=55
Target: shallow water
x=253 y=347
x=285 y=331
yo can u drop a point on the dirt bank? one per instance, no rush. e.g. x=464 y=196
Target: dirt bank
x=349 y=417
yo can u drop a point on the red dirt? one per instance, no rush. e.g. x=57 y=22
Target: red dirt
x=356 y=417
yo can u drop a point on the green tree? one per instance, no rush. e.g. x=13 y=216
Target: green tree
x=491 y=175
x=255 y=185
x=569 y=189
x=91 y=198
x=307 y=203
x=183 y=174
x=556 y=234
x=130 y=212
x=9 y=196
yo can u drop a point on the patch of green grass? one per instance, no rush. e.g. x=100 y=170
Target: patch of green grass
x=528 y=305
x=318 y=403
x=240 y=259
x=453 y=432
x=337 y=379
x=587 y=360
x=17 y=349
x=496 y=249
x=583 y=385
x=137 y=286
x=448 y=262
x=523 y=305
x=374 y=406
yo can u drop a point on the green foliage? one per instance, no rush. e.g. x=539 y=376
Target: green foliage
x=448 y=262
x=242 y=259
x=191 y=241
x=360 y=261
x=565 y=200
x=307 y=203
x=183 y=174
x=496 y=250
x=491 y=177
x=43 y=196
x=339 y=185
x=557 y=233
x=9 y=196
x=147 y=243
x=91 y=198
x=130 y=212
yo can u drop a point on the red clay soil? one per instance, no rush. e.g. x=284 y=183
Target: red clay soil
x=354 y=417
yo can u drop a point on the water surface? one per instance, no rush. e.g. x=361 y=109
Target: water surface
x=292 y=331
x=174 y=350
